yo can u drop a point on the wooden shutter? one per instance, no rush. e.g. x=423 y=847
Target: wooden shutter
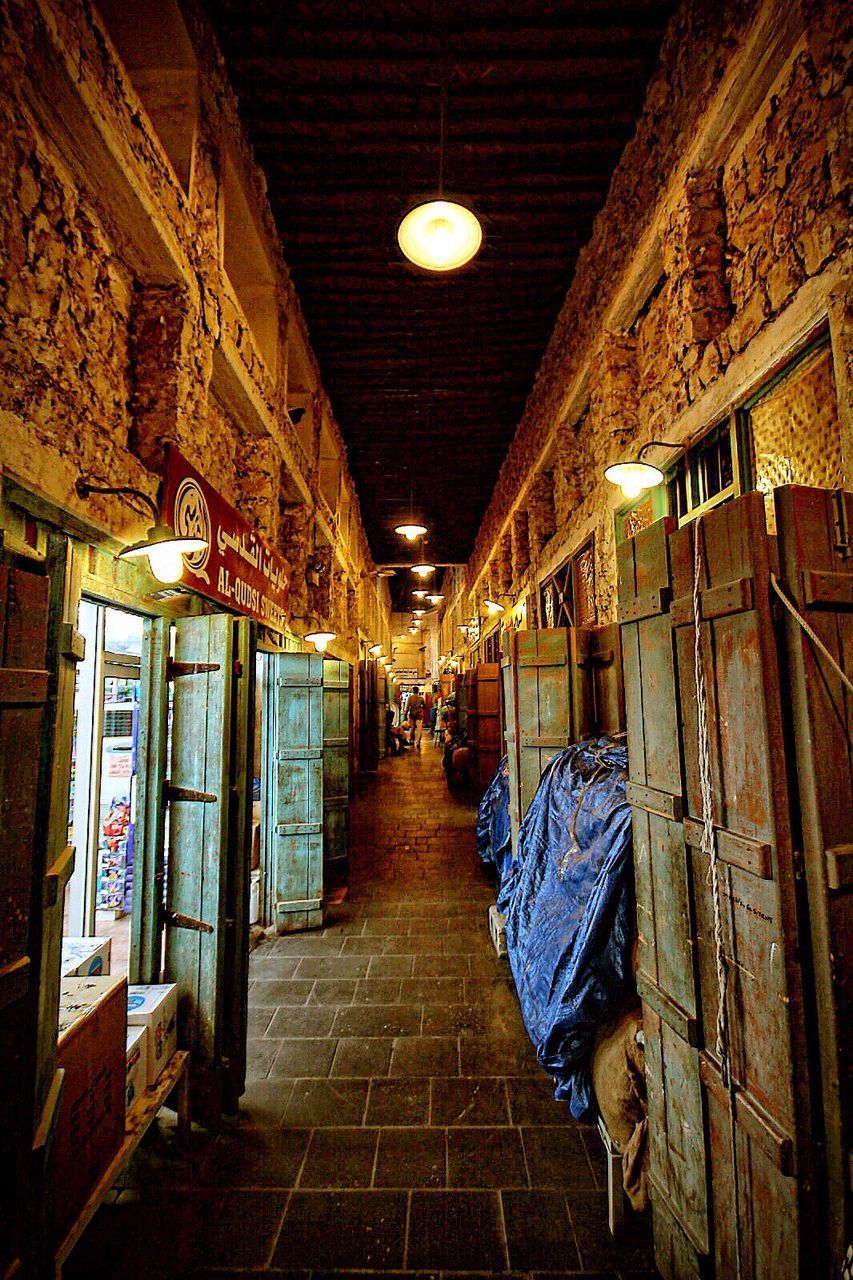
x=294 y=708
x=667 y=979
x=542 y=705
x=814 y=528
x=336 y=727
x=484 y=721
x=598 y=699
x=146 y=936
x=771 y=1195
x=208 y=792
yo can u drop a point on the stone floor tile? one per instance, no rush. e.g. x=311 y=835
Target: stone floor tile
x=362 y=1056
x=469 y=1102
x=538 y=1231
x=338 y=1229
x=432 y=990
x=339 y=1158
x=336 y=967
x=556 y=1157
x=410 y=1158
x=458 y=1229
x=391 y=967
x=485 y=1158
x=260 y=1055
x=302 y=1057
x=293 y=1022
x=398 y=1102
x=272 y=967
x=272 y=1159
x=332 y=991
x=425 y=1056
x=377 y=991
x=441 y=967
x=532 y=1102
x=488 y=1055
x=378 y=1020
x=599 y=1250
x=272 y=993
x=325 y=1103
x=452 y=1020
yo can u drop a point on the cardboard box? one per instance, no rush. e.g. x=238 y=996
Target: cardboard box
x=156 y=1008
x=136 y=1077
x=90 y=1126
x=85 y=957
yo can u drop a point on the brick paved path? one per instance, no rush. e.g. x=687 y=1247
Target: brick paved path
x=396 y=1120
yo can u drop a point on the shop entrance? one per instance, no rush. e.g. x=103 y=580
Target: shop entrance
x=103 y=793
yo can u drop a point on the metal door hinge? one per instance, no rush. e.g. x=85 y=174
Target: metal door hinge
x=179 y=921
x=238 y=669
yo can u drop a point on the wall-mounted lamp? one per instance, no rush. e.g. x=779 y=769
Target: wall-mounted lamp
x=633 y=475
x=492 y=607
x=163 y=547
x=375 y=650
x=321 y=639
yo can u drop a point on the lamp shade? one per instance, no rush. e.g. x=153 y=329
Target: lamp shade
x=375 y=650
x=440 y=235
x=420 y=594
x=321 y=639
x=435 y=597
x=423 y=570
x=633 y=477
x=164 y=549
x=493 y=607
x=410 y=531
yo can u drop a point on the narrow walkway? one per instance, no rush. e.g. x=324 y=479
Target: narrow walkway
x=396 y=1120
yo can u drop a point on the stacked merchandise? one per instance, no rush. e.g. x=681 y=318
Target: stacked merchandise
x=114 y=861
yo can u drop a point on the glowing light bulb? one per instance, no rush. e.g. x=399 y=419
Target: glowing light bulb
x=166 y=562
x=633 y=477
x=440 y=235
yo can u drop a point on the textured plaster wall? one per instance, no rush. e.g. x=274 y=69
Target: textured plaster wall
x=744 y=236
x=119 y=329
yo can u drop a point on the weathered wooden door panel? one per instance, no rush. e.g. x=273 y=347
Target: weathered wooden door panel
x=146 y=935
x=484 y=720
x=509 y=697
x=209 y=851
x=336 y=730
x=598 y=698
x=767 y=1049
x=295 y=710
x=236 y=998
x=24 y=599
x=814 y=531
x=667 y=976
x=543 y=704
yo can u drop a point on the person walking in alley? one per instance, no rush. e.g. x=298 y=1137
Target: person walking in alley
x=416 y=716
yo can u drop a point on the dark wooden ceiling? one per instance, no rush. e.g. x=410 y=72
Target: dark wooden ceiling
x=428 y=374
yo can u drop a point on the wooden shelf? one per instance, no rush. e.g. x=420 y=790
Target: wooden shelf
x=139 y=1119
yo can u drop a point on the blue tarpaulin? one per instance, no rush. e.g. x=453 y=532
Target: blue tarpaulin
x=493 y=833
x=569 y=902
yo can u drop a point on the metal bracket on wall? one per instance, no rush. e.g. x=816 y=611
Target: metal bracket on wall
x=179 y=921
x=174 y=670
x=172 y=793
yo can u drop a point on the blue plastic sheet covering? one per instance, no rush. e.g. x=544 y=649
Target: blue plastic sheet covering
x=493 y=832
x=569 y=903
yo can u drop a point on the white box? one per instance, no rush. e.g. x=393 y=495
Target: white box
x=156 y=1008
x=137 y=1064
x=255 y=896
x=85 y=957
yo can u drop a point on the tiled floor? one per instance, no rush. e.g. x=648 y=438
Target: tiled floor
x=396 y=1120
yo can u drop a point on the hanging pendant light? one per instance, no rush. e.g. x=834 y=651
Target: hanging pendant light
x=440 y=234
x=420 y=594
x=423 y=570
x=435 y=597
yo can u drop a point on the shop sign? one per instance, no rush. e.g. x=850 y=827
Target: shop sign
x=238 y=568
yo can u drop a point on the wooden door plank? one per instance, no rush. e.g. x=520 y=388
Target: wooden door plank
x=146 y=935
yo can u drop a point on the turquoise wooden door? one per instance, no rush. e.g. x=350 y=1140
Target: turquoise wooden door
x=336 y=729
x=206 y=909
x=293 y=780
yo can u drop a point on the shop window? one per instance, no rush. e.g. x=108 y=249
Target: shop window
x=154 y=46
x=792 y=426
x=103 y=779
x=708 y=473
x=642 y=513
x=567 y=598
x=248 y=266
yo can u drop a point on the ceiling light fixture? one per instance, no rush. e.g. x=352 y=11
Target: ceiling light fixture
x=385 y=573
x=163 y=547
x=435 y=597
x=633 y=475
x=423 y=570
x=440 y=234
x=420 y=594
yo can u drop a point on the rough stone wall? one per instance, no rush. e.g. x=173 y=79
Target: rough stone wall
x=739 y=236
x=541 y=522
x=119 y=330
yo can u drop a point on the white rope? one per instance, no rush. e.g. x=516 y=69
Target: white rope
x=812 y=634
x=709 y=847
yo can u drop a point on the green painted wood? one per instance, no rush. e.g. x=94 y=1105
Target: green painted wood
x=296 y=802
x=236 y=993
x=508 y=702
x=678 y=1159
x=198 y=869
x=810 y=524
x=24 y=619
x=337 y=718
x=543 y=704
x=146 y=936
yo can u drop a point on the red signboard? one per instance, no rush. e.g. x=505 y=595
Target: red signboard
x=238 y=568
